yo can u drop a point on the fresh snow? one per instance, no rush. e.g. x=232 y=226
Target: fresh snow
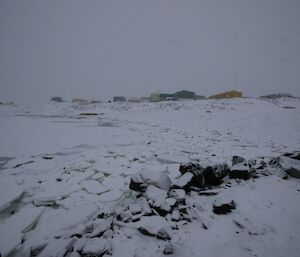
x=64 y=186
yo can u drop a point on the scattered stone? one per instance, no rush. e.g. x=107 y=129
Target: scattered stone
x=208 y=193
x=290 y=166
x=194 y=168
x=88 y=114
x=21 y=164
x=204 y=226
x=47 y=157
x=294 y=155
x=224 y=208
x=237 y=159
x=163 y=234
x=168 y=249
x=240 y=170
x=213 y=175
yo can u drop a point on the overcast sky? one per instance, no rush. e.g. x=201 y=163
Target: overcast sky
x=98 y=49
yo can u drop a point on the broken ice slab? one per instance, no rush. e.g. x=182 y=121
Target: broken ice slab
x=53 y=192
x=142 y=179
x=100 y=226
x=115 y=182
x=94 y=187
x=57 y=248
x=112 y=195
x=9 y=192
x=153 y=225
x=96 y=247
x=25 y=219
x=56 y=223
x=170 y=159
x=10 y=239
x=156 y=194
x=183 y=181
x=76 y=199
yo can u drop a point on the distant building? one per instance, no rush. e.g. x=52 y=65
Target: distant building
x=156 y=97
x=199 y=97
x=145 y=98
x=184 y=95
x=229 y=94
x=134 y=99
x=119 y=99
x=274 y=96
x=79 y=101
x=95 y=102
x=56 y=99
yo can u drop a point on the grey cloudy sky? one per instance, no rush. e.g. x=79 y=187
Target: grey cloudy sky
x=97 y=49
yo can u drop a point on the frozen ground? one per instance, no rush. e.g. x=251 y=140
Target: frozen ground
x=65 y=178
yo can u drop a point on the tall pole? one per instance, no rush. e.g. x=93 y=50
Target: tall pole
x=235 y=80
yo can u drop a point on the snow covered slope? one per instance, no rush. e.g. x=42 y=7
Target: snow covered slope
x=65 y=178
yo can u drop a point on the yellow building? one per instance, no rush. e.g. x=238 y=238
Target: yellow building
x=229 y=94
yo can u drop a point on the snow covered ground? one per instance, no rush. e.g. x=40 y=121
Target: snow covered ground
x=65 y=175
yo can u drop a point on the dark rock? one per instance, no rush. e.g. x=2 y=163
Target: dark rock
x=290 y=166
x=213 y=175
x=240 y=170
x=224 y=208
x=163 y=234
x=294 y=155
x=88 y=114
x=137 y=185
x=208 y=193
x=237 y=159
x=204 y=226
x=194 y=168
x=145 y=231
x=209 y=176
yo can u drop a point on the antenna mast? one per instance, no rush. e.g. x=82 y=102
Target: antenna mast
x=235 y=80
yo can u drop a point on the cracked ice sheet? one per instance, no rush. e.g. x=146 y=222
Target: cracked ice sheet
x=55 y=223
x=12 y=229
x=9 y=192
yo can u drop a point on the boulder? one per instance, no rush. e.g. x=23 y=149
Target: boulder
x=224 y=208
x=293 y=155
x=290 y=166
x=213 y=175
x=194 y=168
x=240 y=170
x=237 y=159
